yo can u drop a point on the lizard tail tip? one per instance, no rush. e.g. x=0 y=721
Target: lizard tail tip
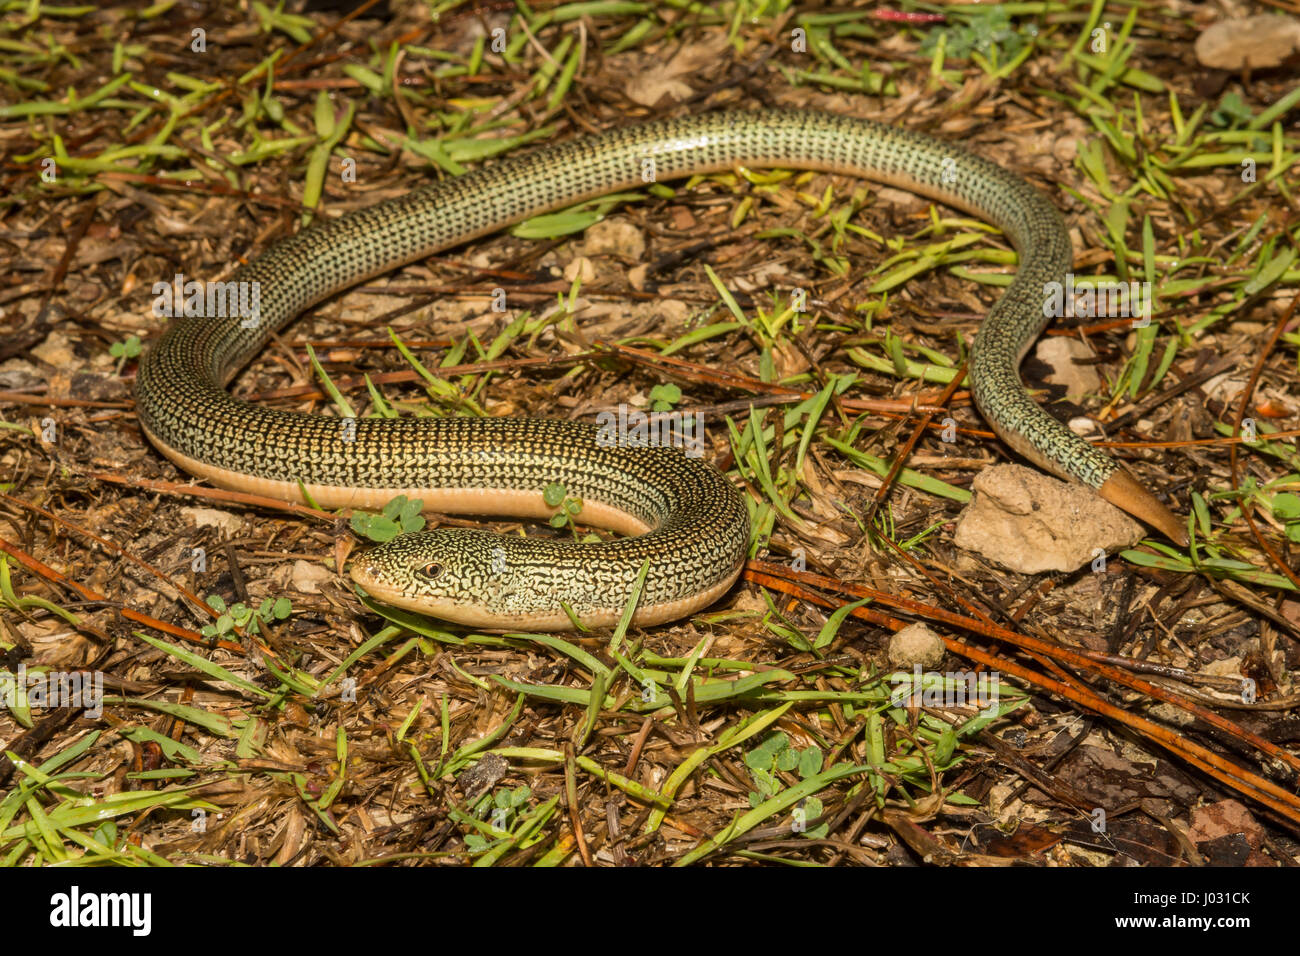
x=1123 y=491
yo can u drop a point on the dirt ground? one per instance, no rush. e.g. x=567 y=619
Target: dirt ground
x=248 y=707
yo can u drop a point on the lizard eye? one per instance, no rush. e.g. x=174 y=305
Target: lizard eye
x=429 y=571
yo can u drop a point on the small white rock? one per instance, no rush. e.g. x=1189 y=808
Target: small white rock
x=1256 y=42
x=1029 y=522
x=1070 y=361
x=213 y=518
x=581 y=266
x=916 y=644
x=614 y=237
x=56 y=350
x=308 y=576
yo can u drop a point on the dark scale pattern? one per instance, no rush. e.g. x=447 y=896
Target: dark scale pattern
x=701 y=524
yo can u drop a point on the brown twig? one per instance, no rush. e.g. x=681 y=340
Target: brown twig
x=1246 y=507
x=90 y=594
x=1057 y=652
x=1238 y=778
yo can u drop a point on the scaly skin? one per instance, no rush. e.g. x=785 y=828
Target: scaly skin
x=695 y=525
